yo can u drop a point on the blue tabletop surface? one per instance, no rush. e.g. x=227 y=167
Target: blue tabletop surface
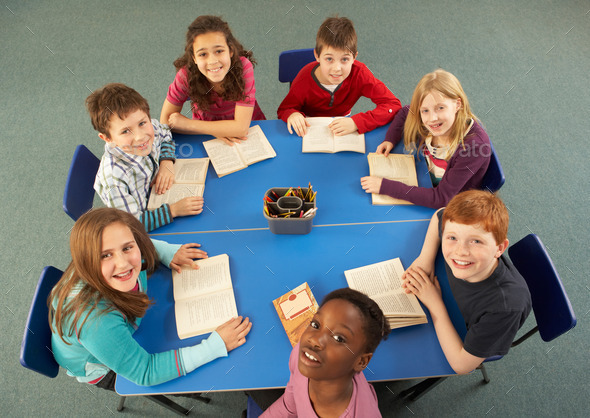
x=235 y=200
x=263 y=267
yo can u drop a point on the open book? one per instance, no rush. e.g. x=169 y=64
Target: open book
x=204 y=298
x=382 y=282
x=189 y=180
x=296 y=309
x=400 y=167
x=319 y=138
x=227 y=159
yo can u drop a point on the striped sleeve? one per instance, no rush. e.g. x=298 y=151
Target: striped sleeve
x=163 y=140
x=152 y=219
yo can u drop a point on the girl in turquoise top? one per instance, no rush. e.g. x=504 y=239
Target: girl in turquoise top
x=98 y=304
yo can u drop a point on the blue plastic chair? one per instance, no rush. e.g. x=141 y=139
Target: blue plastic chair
x=292 y=61
x=79 y=190
x=35 y=350
x=253 y=411
x=552 y=308
x=494 y=177
x=551 y=305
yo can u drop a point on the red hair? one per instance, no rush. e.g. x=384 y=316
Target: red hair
x=478 y=207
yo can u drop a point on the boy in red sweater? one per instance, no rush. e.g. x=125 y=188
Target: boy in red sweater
x=331 y=85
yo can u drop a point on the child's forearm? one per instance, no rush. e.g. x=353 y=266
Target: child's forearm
x=431 y=242
x=452 y=346
x=219 y=128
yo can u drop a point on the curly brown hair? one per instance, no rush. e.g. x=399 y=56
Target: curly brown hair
x=199 y=86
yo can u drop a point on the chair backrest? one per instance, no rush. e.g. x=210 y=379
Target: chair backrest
x=552 y=308
x=290 y=62
x=253 y=410
x=79 y=191
x=35 y=349
x=494 y=177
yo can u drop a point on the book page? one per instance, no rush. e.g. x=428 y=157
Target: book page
x=400 y=167
x=317 y=139
x=190 y=170
x=382 y=282
x=225 y=158
x=213 y=275
x=352 y=142
x=204 y=314
x=256 y=148
x=174 y=194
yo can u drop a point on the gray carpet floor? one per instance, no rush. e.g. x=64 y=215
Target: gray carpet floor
x=523 y=65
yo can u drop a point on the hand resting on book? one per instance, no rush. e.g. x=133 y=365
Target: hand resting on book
x=424 y=286
x=185 y=256
x=192 y=205
x=165 y=177
x=384 y=148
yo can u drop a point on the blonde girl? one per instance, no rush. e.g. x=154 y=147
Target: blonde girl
x=216 y=74
x=439 y=124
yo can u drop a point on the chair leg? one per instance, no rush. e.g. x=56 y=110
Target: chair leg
x=169 y=404
x=484 y=372
x=420 y=389
x=201 y=398
x=121 y=404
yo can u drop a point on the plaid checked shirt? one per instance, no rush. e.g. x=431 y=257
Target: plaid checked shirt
x=123 y=180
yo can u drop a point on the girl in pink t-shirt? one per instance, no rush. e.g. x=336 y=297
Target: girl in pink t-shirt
x=326 y=365
x=216 y=74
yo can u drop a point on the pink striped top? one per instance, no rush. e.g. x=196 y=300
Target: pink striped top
x=220 y=109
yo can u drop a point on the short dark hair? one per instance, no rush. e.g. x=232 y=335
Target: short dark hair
x=338 y=33
x=113 y=99
x=375 y=324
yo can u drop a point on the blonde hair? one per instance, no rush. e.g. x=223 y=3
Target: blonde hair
x=85 y=268
x=445 y=83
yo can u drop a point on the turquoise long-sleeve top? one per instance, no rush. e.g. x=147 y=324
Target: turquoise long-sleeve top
x=105 y=342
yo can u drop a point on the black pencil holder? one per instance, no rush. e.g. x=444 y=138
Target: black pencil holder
x=281 y=205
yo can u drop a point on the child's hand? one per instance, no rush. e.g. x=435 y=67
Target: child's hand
x=424 y=286
x=185 y=256
x=231 y=140
x=164 y=178
x=177 y=121
x=343 y=126
x=371 y=184
x=233 y=332
x=384 y=148
x=192 y=205
x=298 y=123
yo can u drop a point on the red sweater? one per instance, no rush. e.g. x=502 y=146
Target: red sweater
x=307 y=96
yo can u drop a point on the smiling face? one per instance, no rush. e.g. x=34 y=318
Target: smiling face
x=333 y=345
x=335 y=65
x=212 y=56
x=120 y=257
x=470 y=251
x=134 y=134
x=438 y=114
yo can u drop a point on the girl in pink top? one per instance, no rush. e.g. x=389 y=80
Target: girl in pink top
x=326 y=366
x=216 y=74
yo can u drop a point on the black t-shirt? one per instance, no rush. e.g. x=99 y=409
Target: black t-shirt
x=493 y=309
